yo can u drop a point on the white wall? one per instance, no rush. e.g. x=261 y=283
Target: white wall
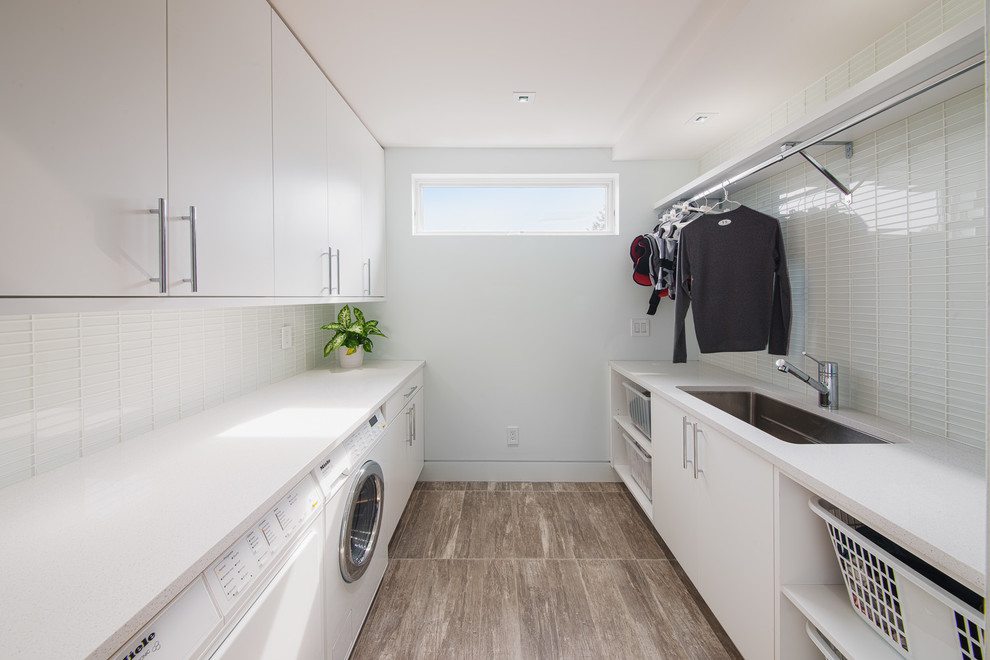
x=518 y=330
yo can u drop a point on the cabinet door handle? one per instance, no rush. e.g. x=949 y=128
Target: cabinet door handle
x=368 y=264
x=413 y=426
x=684 y=458
x=410 y=425
x=192 y=249
x=162 y=213
x=697 y=461
x=410 y=392
x=331 y=254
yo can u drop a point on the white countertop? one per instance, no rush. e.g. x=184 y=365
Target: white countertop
x=925 y=493
x=91 y=551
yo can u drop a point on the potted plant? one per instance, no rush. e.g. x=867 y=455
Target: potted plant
x=351 y=337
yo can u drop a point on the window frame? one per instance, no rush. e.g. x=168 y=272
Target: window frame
x=610 y=181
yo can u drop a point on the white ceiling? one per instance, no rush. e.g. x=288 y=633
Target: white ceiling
x=627 y=74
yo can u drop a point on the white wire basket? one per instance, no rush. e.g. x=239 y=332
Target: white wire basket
x=640 y=466
x=921 y=612
x=639 y=407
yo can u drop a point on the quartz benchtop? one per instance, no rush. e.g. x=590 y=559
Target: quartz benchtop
x=93 y=550
x=928 y=494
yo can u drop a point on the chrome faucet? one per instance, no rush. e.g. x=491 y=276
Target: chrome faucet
x=827 y=383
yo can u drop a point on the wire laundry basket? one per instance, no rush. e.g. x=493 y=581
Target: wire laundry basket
x=921 y=612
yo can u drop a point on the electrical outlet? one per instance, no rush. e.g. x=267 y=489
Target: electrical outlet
x=512 y=436
x=287 y=336
x=639 y=327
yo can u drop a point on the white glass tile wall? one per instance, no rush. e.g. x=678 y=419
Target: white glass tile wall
x=893 y=286
x=920 y=29
x=72 y=384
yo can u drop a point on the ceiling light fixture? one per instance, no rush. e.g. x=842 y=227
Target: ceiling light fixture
x=524 y=97
x=701 y=117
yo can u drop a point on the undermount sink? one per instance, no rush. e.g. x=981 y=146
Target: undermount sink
x=781 y=420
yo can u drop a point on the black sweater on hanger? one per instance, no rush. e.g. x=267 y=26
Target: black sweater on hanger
x=732 y=271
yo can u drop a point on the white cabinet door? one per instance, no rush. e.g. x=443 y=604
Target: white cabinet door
x=404 y=440
x=718 y=524
x=417 y=447
x=344 y=171
x=82 y=133
x=675 y=508
x=735 y=550
x=302 y=260
x=373 y=215
x=220 y=146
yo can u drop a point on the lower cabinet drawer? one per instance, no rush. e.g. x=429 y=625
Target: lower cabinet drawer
x=406 y=392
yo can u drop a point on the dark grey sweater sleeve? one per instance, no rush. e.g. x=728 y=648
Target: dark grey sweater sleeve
x=780 y=323
x=682 y=301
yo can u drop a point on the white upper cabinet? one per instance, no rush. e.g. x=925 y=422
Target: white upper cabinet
x=83 y=138
x=220 y=147
x=302 y=242
x=356 y=171
x=345 y=178
x=373 y=215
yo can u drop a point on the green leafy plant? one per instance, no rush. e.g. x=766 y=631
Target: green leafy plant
x=351 y=333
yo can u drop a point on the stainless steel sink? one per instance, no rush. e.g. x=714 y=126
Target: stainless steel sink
x=781 y=420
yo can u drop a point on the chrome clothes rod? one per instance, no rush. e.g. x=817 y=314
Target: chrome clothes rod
x=789 y=149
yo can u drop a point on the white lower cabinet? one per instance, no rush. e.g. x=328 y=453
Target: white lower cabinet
x=404 y=439
x=713 y=506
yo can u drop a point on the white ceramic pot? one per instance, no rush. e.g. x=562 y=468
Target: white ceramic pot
x=352 y=361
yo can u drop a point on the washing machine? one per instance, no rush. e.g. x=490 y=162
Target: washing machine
x=353 y=478
x=262 y=599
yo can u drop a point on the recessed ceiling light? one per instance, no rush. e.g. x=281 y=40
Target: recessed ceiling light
x=701 y=117
x=524 y=97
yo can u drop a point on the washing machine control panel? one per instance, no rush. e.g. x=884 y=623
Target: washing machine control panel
x=337 y=465
x=238 y=569
x=361 y=441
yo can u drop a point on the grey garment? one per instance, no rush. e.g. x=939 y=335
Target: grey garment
x=731 y=268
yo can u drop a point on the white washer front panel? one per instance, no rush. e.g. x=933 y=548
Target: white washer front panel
x=286 y=621
x=185 y=625
x=238 y=569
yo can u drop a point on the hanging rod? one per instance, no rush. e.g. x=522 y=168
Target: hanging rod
x=791 y=148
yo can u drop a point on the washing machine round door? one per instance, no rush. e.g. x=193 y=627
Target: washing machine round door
x=362 y=521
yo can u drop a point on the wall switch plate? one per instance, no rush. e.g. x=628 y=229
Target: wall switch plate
x=512 y=436
x=287 y=336
x=639 y=327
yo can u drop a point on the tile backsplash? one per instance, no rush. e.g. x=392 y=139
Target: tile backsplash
x=892 y=286
x=72 y=384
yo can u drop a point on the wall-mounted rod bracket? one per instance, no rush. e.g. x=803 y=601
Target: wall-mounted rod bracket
x=828 y=143
x=847 y=194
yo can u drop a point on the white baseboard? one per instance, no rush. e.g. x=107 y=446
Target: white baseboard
x=516 y=471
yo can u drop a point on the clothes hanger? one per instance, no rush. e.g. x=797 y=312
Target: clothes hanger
x=725 y=204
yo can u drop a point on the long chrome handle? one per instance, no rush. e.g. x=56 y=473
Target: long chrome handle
x=331 y=254
x=684 y=425
x=410 y=425
x=697 y=457
x=368 y=264
x=192 y=249
x=410 y=392
x=162 y=213
x=414 y=426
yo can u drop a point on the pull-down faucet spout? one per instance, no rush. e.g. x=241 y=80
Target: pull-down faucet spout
x=827 y=385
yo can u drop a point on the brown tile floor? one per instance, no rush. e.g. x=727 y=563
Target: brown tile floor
x=532 y=571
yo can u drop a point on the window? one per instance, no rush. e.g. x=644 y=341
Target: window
x=541 y=204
